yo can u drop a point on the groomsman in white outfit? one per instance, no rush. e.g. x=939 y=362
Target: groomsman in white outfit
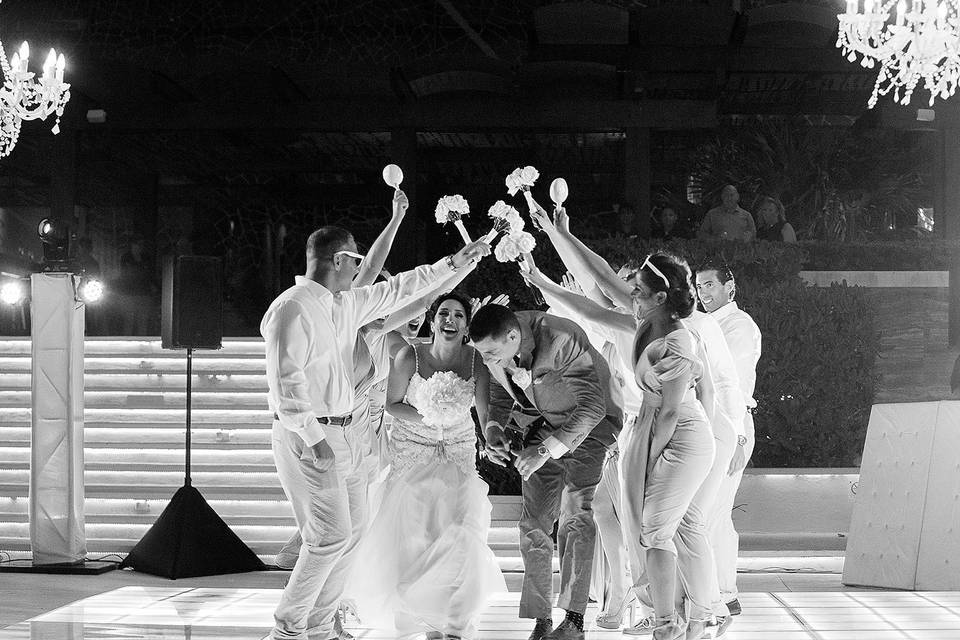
x=716 y=289
x=310 y=331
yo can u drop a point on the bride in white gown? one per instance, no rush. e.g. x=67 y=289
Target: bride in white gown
x=425 y=558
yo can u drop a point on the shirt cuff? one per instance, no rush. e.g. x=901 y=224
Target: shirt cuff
x=556 y=448
x=442 y=267
x=304 y=425
x=492 y=423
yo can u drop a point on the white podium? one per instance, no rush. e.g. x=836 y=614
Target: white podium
x=905 y=531
x=56 y=447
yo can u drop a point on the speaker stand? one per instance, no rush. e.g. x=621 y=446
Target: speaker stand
x=189 y=539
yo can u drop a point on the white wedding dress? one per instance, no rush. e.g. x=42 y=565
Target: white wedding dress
x=424 y=565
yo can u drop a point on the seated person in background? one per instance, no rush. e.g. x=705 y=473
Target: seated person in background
x=772 y=222
x=625 y=222
x=728 y=221
x=667 y=225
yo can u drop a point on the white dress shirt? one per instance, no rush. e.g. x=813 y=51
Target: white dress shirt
x=743 y=338
x=728 y=419
x=310 y=334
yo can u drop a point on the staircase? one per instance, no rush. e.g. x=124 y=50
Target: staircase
x=134 y=394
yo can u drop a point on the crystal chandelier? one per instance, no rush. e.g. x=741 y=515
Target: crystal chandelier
x=920 y=41
x=25 y=98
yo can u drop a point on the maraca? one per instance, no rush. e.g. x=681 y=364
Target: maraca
x=558 y=193
x=393 y=176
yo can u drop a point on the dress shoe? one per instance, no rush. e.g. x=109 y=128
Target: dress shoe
x=669 y=629
x=720 y=624
x=734 y=607
x=566 y=630
x=541 y=629
x=696 y=629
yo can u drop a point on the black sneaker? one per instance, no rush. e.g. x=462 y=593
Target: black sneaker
x=542 y=628
x=734 y=607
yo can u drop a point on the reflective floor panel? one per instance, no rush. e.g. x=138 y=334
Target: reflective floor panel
x=160 y=613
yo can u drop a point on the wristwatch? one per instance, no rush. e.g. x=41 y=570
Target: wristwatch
x=542 y=451
x=449 y=261
x=742 y=441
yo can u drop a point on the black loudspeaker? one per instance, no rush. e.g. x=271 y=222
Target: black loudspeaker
x=192 y=314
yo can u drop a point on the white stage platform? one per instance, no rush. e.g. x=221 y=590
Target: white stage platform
x=165 y=613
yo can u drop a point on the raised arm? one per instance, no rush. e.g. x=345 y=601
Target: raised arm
x=580 y=306
x=413 y=309
x=593 y=266
x=570 y=254
x=377 y=255
x=382 y=299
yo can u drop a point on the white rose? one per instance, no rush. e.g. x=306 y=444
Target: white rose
x=524 y=241
x=516 y=222
x=522 y=378
x=441 y=211
x=458 y=203
x=506 y=250
x=513 y=182
x=499 y=209
x=528 y=175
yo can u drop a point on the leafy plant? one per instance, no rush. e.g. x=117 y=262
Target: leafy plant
x=834 y=182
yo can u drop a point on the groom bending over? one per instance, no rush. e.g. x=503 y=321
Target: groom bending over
x=545 y=372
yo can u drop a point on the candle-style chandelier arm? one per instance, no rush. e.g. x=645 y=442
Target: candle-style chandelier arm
x=910 y=41
x=23 y=96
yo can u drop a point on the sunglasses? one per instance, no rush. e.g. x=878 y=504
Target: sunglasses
x=350 y=254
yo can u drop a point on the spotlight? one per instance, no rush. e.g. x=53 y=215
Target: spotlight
x=12 y=292
x=90 y=290
x=55 y=237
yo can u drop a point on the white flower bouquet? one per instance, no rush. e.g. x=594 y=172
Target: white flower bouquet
x=506 y=219
x=452 y=209
x=522 y=180
x=444 y=401
x=513 y=246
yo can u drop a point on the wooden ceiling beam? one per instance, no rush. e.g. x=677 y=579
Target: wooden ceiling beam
x=454 y=113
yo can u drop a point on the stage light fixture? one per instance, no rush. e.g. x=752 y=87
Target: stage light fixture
x=55 y=237
x=90 y=290
x=12 y=292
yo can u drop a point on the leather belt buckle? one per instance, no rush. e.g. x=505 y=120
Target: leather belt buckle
x=336 y=421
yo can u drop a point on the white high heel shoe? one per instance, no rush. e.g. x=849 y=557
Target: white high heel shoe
x=614 y=619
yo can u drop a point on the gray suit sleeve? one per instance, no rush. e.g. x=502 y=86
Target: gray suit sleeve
x=578 y=372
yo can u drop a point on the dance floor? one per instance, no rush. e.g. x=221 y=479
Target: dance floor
x=157 y=613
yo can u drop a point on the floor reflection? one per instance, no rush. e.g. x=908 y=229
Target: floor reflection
x=151 y=613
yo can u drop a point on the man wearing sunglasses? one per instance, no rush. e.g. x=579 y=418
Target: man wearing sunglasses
x=310 y=332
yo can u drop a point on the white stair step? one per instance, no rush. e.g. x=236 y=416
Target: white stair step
x=129 y=437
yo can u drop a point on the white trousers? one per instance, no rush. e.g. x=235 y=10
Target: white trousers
x=723 y=535
x=330 y=508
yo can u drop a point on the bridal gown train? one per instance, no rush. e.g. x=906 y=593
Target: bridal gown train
x=424 y=564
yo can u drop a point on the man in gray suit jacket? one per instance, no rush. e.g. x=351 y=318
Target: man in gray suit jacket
x=555 y=386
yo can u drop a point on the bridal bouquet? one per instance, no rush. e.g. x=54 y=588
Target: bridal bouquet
x=452 y=209
x=506 y=219
x=521 y=179
x=513 y=246
x=444 y=401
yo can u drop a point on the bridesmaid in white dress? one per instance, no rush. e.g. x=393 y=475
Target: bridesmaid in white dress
x=425 y=558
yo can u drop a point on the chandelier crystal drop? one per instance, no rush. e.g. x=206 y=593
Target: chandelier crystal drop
x=909 y=41
x=25 y=97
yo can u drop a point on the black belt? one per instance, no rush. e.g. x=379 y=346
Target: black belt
x=336 y=421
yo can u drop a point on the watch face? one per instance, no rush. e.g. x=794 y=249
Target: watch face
x=542 y=450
